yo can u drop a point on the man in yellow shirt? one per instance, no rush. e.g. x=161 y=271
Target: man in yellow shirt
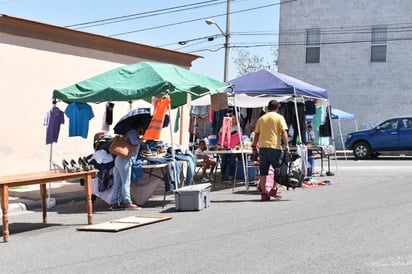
x=270 y=130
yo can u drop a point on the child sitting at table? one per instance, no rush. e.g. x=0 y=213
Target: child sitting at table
x=205 y=162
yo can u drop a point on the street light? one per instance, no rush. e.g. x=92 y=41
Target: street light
x=226 y=45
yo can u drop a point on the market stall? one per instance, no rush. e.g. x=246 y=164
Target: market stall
x=254 y=90
x=142 y=81
x=264 y=83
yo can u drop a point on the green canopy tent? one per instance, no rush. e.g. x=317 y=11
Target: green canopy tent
x=142 y=81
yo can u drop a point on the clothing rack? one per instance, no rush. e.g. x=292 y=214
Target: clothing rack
x=50 y=201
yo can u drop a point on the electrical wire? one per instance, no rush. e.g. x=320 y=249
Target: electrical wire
x=330 y=35
x=348 y=35
x=135 y=16
x=199 y=19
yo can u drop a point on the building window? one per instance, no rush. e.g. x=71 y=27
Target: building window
x=378 y=44
x=313 y=46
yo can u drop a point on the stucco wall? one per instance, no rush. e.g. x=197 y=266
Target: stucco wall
x=372 y=91
x=30 y=70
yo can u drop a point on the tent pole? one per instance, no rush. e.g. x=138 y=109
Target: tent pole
x=49 y=201
x=242 y=152
x=182 y=114
x=297 y=115
x=50 y=165
x=329 y=110
x=299 y=129
x=173 y=149
x=194 y=134
x=341 y=138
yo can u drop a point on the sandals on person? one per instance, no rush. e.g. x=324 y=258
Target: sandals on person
x=264 y=197
x=274 y=193
x=132 y=207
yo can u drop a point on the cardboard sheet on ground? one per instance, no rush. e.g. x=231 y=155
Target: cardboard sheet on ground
x=124 y=223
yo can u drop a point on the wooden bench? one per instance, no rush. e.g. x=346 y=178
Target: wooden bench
x=41 y=178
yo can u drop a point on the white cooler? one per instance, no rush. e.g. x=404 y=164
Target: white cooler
x=194 y=197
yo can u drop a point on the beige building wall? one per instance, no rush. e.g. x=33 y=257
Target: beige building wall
x=32 y=67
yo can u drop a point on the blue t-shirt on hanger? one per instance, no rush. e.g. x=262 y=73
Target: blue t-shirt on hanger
x=79 y=115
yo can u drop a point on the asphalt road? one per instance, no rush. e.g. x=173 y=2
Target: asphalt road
x=361 y=223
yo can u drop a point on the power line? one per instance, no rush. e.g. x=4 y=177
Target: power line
x=135 y=16
x=327 y=38
x=176 y=9
x=199 y=19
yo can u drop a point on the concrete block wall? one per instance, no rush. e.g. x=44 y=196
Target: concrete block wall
x=372 y=91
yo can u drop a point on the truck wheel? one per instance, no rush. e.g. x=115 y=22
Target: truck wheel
x=361 y=150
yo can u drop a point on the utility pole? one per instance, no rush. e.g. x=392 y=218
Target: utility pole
x=227 y=37
x=226 y=34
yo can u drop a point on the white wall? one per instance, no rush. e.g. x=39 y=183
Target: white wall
x=29 y=72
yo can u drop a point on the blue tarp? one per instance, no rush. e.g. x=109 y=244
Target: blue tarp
x=340 y=114
x=337 y=114
x=275 y=83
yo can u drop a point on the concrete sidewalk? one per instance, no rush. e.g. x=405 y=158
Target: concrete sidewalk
x=28 y=197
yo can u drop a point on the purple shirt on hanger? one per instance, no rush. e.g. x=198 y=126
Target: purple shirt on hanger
x=54 y=118
x=79 y=115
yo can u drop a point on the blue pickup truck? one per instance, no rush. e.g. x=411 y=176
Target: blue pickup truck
x=393 y=135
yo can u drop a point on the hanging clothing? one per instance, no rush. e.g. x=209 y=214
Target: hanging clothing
x=211 y=112
x=289 y=112
x=310 y=107
x=79 y=116
x=325 y=130
x=318 y=120
x=176 y=127
x=254 y=116
x=218 y=120
x=109 y=113
x=53 y=120
x=226 y=130
x=199 y=111
x=108 y=116
x=154 y=130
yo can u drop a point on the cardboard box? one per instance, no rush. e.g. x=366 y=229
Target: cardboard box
x=195 y=197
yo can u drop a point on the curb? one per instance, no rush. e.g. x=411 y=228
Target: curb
x=17 y=207
x=27 y=205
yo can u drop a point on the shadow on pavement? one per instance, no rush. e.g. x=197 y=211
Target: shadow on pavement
x=16 y=228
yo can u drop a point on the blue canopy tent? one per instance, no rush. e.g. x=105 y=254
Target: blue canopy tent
x=337 y=114
x=256 y=88
x=270 y=83
x=265 y=83
x=274 y=83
